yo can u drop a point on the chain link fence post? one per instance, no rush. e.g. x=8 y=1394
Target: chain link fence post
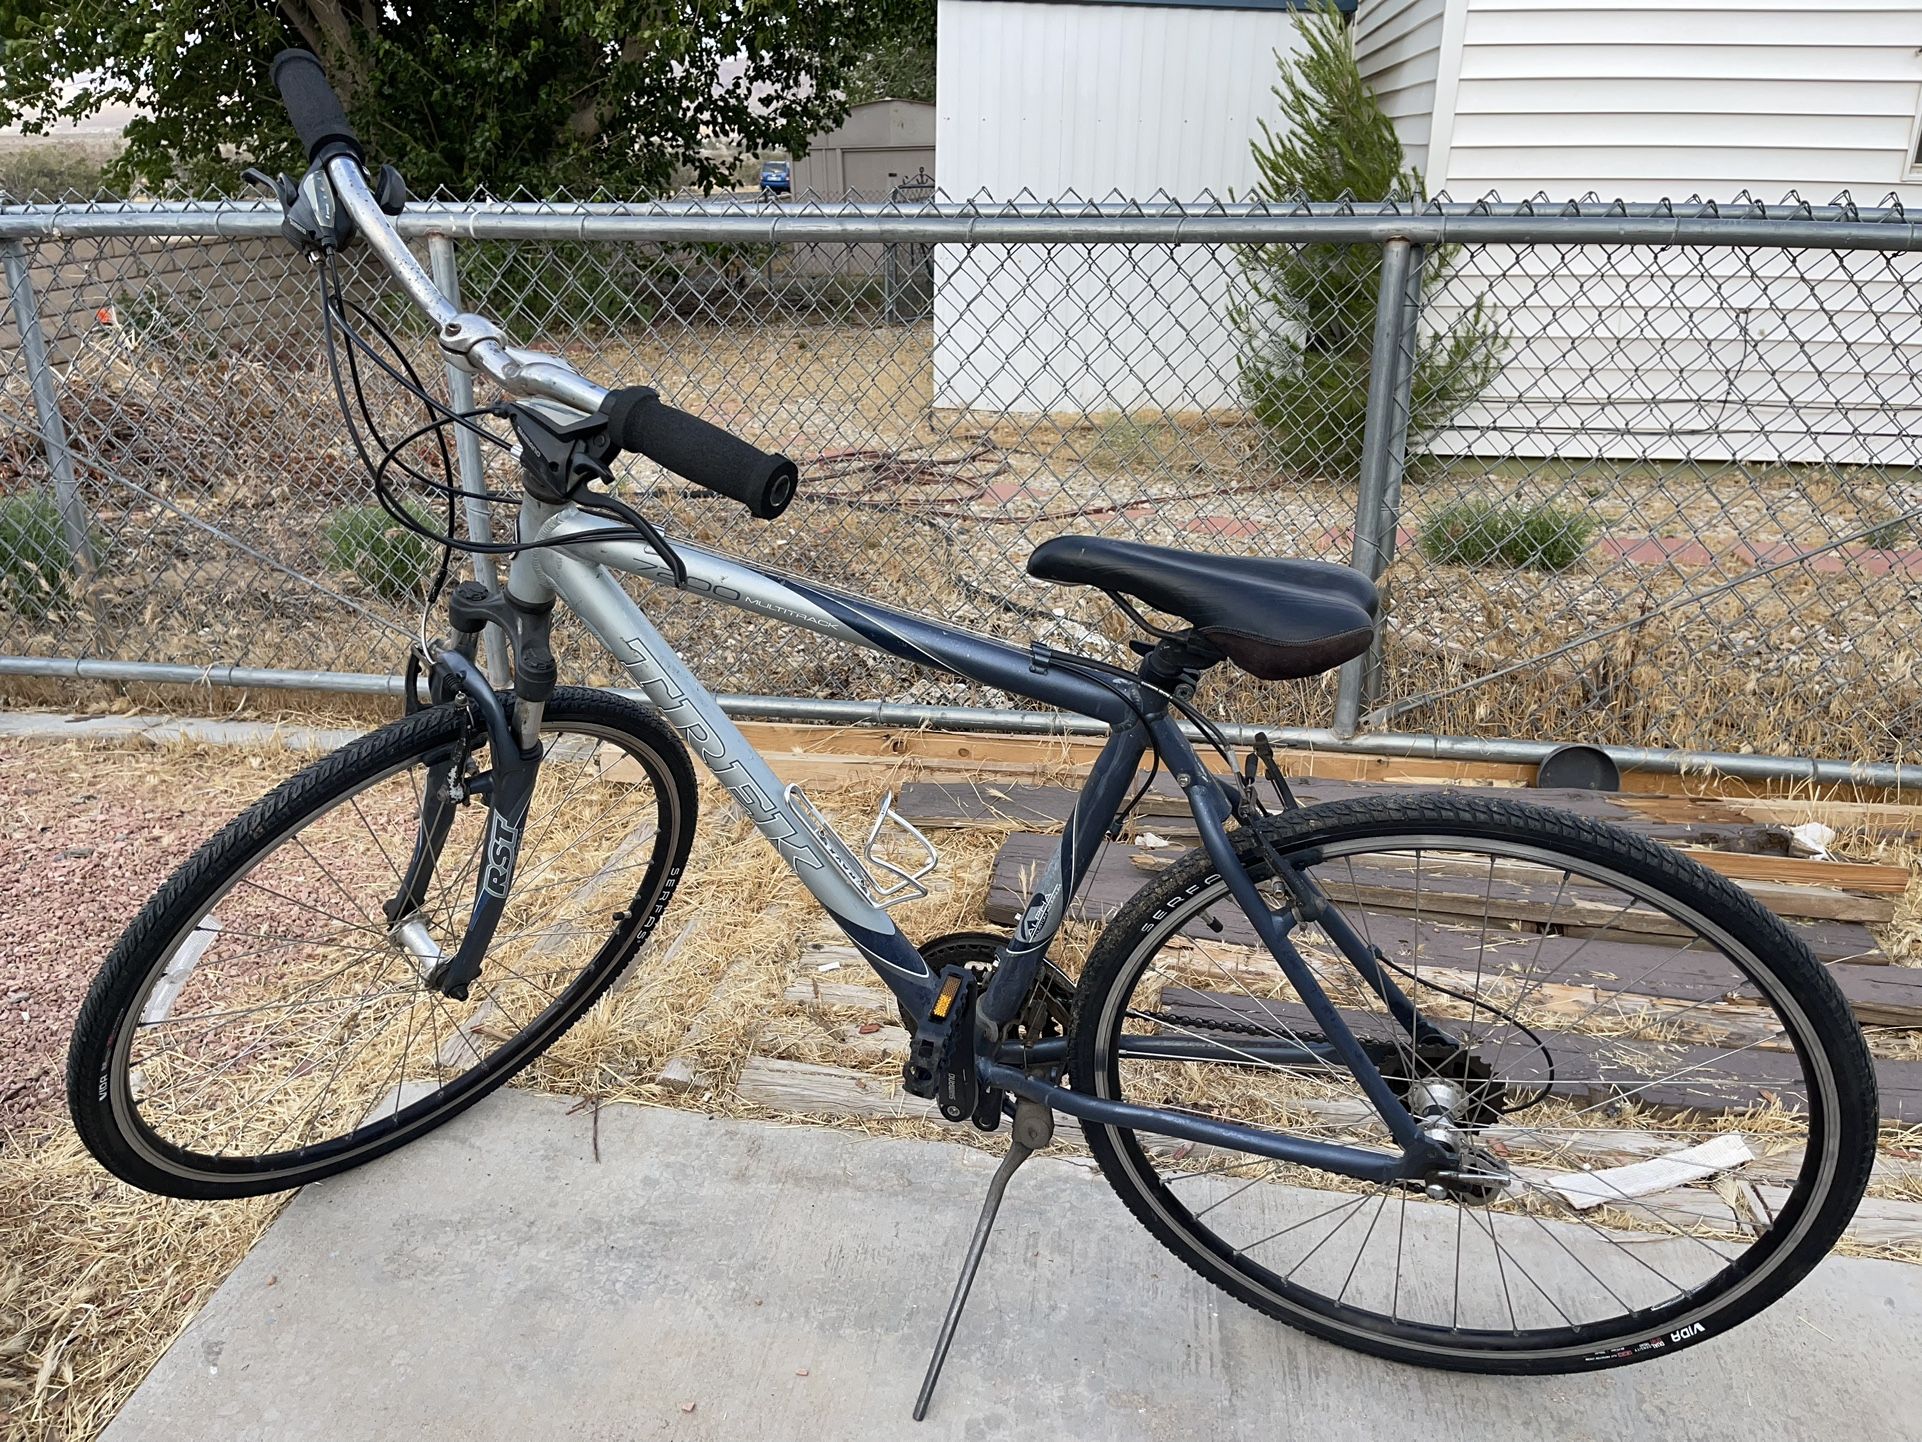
x=1384 y=449
x=46 y=404
x=473 y=471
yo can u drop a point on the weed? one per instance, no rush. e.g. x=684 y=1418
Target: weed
x=1889 y=536
x=1480 y=532
x=36 y=563
x=389 y=559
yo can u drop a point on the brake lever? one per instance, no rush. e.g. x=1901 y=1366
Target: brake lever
x=283 y=188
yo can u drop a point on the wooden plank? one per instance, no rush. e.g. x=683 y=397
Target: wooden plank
x=1888 y=818
x=1602 y=1069
x=1862 y=878
x=997 y=805
x=683 y=1071
x=807 y=1089
x=1882 y=995
x=1115 y=878
x=1748 y=854
x=1517 y=966
x=848 y=994
x=994 y=749
x=1878 y=1221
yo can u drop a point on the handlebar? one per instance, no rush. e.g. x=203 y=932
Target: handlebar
x=312 y=105
x=690 y=447
x=702 y=453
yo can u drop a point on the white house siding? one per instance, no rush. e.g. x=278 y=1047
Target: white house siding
x=1090 y=100
x=1398 y=44
x=1754 y=356
x=1647 y=98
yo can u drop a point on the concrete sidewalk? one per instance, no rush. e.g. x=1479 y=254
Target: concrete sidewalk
x=495 y=1281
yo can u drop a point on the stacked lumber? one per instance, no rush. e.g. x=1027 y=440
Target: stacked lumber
x=1571 y=949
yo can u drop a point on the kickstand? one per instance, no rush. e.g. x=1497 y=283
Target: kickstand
x=1033 y=1128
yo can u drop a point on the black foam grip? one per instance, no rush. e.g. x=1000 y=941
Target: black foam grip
x=312 y=105
x=702 y=453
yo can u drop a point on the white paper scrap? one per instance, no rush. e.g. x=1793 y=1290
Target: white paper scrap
x=1583 y=1190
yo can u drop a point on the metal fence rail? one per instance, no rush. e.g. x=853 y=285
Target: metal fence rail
x=1643 y=476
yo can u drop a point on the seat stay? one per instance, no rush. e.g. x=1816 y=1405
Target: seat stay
x=1212 y=815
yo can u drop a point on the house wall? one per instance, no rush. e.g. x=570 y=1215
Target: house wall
x=1729 y=355
x=1650 y=98
x=1398 y=44
x=1089 y=100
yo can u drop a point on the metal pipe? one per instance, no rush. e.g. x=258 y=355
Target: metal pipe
x=1379 y=452
x=46 y=404
x=1881 y=775
x=473 y=471
x=1829 y=227
x=1388 y=532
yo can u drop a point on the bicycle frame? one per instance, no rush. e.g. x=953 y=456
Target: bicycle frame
x=1137 y=717
x=580 y=574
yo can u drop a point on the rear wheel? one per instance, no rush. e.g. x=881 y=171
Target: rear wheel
x=261 y=1024
x=1608 y=1002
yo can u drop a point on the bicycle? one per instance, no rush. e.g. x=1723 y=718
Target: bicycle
x=1460 y=1082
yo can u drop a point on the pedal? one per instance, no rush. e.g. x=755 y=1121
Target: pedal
x=940 y=1060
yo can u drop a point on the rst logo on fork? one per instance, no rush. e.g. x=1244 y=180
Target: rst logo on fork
x=503 y=844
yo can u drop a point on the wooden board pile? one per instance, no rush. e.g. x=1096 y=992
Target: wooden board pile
x=1025 y=789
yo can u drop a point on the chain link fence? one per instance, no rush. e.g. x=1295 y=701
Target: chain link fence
x=1642 y=476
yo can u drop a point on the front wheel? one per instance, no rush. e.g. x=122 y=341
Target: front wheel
x=266 y=1020
x=1664 y=1111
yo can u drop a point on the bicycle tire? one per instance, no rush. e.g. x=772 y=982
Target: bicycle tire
x=1826 y=1041
x=101 y=1079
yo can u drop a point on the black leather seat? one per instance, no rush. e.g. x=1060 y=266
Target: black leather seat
x=1276 y=619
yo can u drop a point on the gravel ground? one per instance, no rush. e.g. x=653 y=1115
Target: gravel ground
x=89 y=836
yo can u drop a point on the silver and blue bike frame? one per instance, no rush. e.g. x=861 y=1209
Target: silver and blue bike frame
x=582 y=573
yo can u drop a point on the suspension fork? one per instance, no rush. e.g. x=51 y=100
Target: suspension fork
x=515 y=748
x=1211 y=811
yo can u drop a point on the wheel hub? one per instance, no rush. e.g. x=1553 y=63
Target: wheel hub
x=1452 y=1093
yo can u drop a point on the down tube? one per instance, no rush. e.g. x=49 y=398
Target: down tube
x=687 y=706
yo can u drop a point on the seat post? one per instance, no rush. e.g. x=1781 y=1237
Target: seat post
x=1177 y=661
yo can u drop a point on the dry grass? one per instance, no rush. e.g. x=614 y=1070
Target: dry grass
x=1779 y=664
x=96 y=1279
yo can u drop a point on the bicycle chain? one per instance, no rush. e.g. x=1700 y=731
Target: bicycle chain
x=1239 y=1028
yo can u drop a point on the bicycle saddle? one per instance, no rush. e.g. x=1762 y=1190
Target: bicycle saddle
x=1276 y=619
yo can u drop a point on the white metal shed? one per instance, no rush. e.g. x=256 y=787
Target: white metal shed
x=1077 y=99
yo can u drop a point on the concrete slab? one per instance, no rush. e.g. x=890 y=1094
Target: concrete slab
x=494 y=1281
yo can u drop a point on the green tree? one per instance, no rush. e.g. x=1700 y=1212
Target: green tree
x=1308 y=320
x=534 y=94
x=899 y=65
